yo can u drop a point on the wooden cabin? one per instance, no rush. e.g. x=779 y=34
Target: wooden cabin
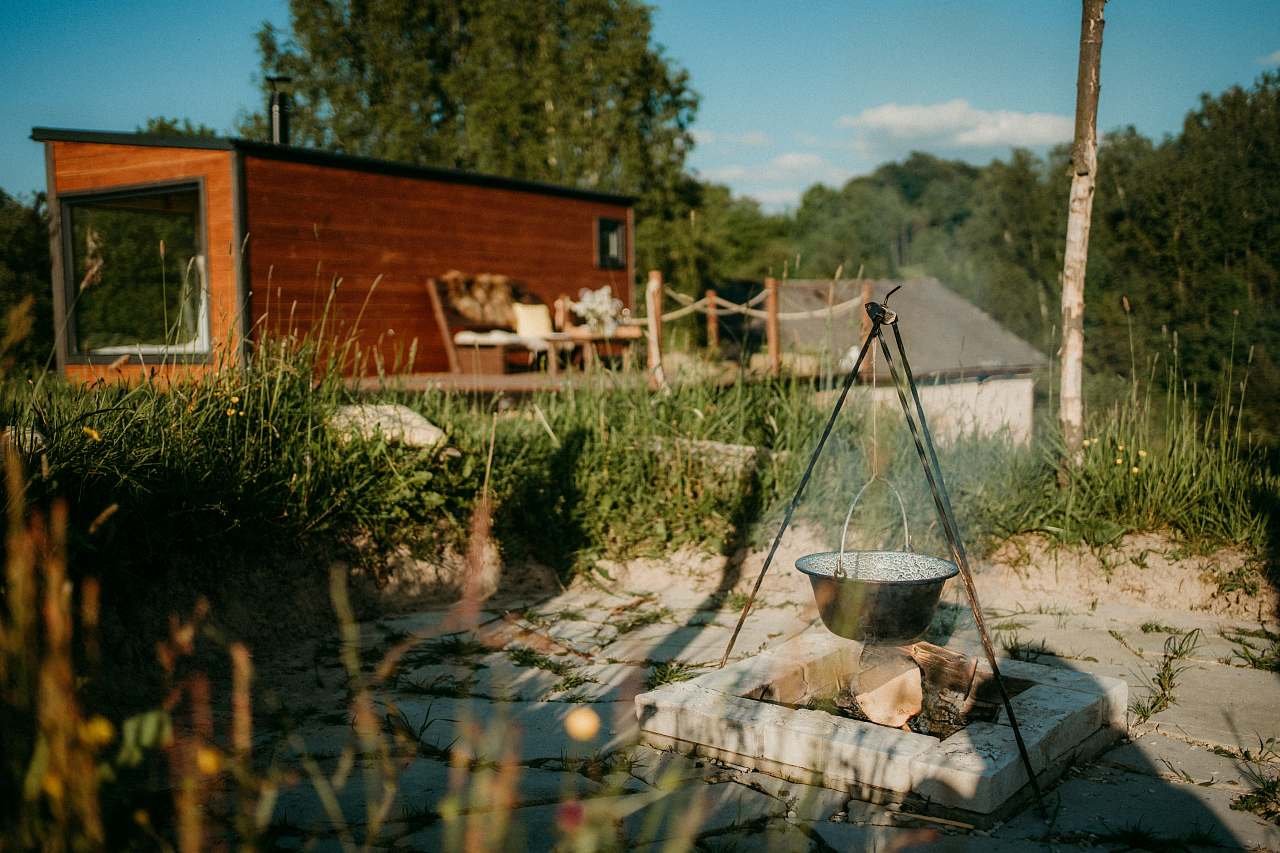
x=176 y=254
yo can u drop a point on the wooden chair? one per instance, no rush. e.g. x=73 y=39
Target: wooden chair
x=485 y=347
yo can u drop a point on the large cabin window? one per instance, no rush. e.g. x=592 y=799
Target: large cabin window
x=611 y=244
x=137 y=272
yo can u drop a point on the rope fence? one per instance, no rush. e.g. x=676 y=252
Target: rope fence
x=714 y=307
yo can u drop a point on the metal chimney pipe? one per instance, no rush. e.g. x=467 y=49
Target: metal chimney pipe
x=279 y=110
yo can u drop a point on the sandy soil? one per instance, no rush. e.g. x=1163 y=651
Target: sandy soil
x=1143 y=570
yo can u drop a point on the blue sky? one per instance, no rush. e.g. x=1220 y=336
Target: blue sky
x=792 y=93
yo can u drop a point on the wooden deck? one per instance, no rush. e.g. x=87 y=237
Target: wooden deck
x=726 y=373
x=507 y=383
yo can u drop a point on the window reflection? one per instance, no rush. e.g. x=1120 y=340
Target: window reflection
x=137 y=273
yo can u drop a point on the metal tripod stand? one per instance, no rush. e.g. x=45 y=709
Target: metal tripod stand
x=912 y=409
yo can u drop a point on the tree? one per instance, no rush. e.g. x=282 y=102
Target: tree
x=570 y=92
x=165 y=126
x=26 y=307
x=1084 y=166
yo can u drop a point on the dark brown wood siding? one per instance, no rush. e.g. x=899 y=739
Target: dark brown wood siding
x=83 y=166
x=312 y=225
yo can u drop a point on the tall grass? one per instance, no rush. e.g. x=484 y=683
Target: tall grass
x=1153 y=462
x=190 y=479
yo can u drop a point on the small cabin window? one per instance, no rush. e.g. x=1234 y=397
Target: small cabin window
x=136 y=270
x=611 y=244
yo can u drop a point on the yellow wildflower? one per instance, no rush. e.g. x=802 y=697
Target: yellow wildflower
x=1134 y=470
x=208 y=760
x=1142 y=453
x=93 y=434
x=52 y=785
x=1119 y=447
x=97 y=731
x=141 y=818
x=231 y=413
x=235 y=399
x=1119 y=461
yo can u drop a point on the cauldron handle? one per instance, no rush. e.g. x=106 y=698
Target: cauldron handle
x=844 y=533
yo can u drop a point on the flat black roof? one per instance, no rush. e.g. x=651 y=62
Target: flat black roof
x=295 y=154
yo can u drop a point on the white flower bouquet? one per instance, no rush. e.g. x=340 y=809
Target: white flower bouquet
x=599 y=309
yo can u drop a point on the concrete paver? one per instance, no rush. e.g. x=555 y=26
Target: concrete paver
x=1138 y=787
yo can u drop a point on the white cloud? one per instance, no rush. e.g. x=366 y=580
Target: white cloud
x=957 y=123
x=732 y=172
x=1272 y=58
x=751 y=139
x=798 y=162
x=776 y=198
x=779 y=181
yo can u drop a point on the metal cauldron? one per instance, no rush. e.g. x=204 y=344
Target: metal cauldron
x=882 y=597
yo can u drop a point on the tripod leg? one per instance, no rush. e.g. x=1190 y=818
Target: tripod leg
x=942 y=503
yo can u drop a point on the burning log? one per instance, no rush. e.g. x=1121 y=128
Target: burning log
x=888 y=687
x=896 y=684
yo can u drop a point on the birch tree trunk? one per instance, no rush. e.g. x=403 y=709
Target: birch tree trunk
x=1084 y=166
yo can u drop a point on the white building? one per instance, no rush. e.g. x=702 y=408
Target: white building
x=974 y=375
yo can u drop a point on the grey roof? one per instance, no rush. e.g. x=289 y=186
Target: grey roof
x=944 y=333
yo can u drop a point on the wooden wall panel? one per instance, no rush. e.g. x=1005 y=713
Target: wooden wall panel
x=310 y=225
x=83 y=166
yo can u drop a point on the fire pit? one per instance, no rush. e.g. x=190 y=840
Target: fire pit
x=795 y=712
x=755 y=714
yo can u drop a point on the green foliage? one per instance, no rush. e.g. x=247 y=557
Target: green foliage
x=669 y=672
x=26 y=302
x=572 y=93
x=243 y=467
x=1258 y=648
x=702 y=235
x=180 y=471
x=1160 y=689
x=1185 y=234
x=165 y=126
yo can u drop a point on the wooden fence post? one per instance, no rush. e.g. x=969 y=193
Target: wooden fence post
x=864 y=326
x=653 y=308
x=713 y=324
x=771 y=325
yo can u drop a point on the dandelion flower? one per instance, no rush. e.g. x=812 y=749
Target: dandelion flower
x=1087 y=442
x=235 y=399
x=1142 y=453
x=1119 y=447
x=231 y=413
x=1119 y=461
x=241 y=413
x=1134 y=470
x=93 y=434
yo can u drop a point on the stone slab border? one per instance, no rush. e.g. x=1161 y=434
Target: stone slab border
x=739 y=715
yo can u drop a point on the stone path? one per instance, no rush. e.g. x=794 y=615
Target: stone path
x=485 y=743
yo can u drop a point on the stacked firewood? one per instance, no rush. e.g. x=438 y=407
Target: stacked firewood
x=921 y=687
